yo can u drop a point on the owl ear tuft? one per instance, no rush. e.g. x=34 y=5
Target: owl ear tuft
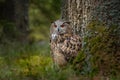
x=52 y=22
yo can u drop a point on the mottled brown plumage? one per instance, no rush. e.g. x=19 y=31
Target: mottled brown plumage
x=64 y=44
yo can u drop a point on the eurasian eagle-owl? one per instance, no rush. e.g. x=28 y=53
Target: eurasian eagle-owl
x=64 y=44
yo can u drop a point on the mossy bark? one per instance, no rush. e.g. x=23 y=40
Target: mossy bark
x=94 y=14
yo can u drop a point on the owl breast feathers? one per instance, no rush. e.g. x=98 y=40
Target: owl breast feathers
x=64 y=45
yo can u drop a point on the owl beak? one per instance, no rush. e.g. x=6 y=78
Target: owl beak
x=58 y=29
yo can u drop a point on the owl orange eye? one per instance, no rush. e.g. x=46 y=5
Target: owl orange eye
x=62 y=25
x=55 y=26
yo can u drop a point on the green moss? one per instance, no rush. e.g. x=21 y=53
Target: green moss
x=101 y=42
x=102 y=47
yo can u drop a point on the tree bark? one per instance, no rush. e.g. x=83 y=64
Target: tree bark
x=21 y=18
x=16 y=12
x=78 y=12
x=7 y=10
x=82 y=12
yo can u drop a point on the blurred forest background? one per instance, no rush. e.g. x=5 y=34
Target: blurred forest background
x=24 y=40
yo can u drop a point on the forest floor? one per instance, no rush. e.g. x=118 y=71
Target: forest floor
x=25 y=62
x=33 y=63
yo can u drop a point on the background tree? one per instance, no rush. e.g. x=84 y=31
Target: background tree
x=14 y=19
x=97 y=21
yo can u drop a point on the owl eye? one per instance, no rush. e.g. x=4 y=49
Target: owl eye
x=62 y=25
x=55 y=26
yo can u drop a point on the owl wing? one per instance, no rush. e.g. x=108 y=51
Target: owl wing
x=56 y=54
x=71 y=46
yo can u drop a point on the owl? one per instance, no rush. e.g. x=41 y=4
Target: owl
x=64 y=44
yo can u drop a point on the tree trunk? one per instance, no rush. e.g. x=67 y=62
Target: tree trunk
x=7 y=10
x=21 y=18
x=82 y=12
x=78 y=12
x=16 y=12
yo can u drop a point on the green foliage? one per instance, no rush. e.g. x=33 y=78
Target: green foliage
x=30 y=62
x=79 y=61
x=42 y=13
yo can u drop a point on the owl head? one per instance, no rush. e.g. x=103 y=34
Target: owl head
x=61 y=27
